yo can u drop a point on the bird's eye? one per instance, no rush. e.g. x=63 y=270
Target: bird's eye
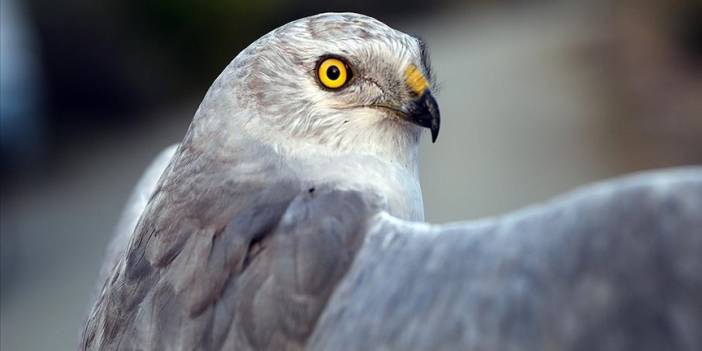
x=333 y=73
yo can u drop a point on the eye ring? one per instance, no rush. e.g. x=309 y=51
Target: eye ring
x=333 y=72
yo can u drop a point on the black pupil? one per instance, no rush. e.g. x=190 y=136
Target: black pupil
x=333 y=72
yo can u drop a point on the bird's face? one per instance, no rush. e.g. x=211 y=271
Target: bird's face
x=343 y=81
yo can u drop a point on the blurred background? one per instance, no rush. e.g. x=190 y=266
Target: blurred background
x=537 y=97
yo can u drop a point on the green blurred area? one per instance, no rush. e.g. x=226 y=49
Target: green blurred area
x=156 y=49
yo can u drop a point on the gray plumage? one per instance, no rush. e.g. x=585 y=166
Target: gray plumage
x=136 y=204
x=613 y=266
x=197 y=271
x=283 y=222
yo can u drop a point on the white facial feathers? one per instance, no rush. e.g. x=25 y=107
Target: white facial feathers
x=271 y=90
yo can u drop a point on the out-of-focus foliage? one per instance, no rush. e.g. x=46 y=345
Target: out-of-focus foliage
x=122 y=54
x=654 y=63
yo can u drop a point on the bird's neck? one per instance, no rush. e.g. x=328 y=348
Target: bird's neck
x=363 y=171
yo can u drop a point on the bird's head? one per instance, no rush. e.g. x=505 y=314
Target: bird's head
x=344 y=82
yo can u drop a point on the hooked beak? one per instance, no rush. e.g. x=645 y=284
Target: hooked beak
x=423 y=110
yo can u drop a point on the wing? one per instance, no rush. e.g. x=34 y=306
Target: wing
x=615 y=266
x=253 y=265
x=136 y=204
x=218 y=262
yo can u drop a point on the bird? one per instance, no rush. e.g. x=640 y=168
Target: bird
x=239 y=234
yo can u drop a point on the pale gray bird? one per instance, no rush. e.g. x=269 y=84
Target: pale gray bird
x=228 y=254
x=274 y=226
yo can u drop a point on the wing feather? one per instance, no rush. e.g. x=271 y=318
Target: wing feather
x=215 y=262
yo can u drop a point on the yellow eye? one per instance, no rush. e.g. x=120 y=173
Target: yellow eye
x=333 y=73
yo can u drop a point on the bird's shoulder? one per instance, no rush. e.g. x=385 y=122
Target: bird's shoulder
x=202 y=250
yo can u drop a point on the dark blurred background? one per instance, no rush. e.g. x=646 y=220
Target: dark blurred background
x=537 y=97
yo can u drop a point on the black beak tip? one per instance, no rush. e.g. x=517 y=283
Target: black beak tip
x=424 y=112
x=434 y=133
x=435 y=117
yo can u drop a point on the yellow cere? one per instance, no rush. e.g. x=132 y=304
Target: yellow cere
x=415 y=80
x=332 y=73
